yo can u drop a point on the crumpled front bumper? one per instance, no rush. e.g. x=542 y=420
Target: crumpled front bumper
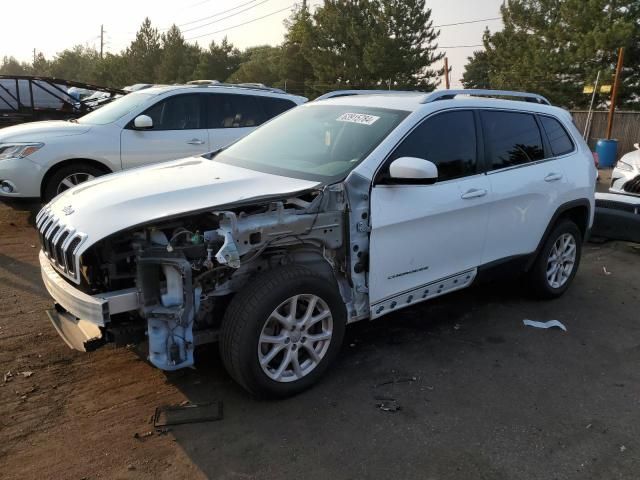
x=79 y=316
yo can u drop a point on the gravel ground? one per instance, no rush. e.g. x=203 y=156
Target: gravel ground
x=480 y=395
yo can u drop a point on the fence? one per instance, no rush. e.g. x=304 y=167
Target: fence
x=626 y=128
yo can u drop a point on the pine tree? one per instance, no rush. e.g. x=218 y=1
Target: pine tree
x=178 y=60
x=295 y=69
x=218 y=62
x=556 y=47
x=402 y=47
x=144 y=54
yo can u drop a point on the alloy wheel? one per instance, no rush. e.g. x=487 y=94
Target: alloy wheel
x=561 y=261
x=72 y=180
x=295 y=338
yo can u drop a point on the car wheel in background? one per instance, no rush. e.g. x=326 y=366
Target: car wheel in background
x=69 y=176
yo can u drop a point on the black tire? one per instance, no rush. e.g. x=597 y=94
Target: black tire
x=50 y=189
x=540 y=285
x=249 y=311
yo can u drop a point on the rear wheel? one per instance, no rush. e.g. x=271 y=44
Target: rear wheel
x=282 y=331
x=69 y=176
x=558 y=261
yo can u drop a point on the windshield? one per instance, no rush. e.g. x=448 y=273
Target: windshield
x=315 y=142
x=115 y=110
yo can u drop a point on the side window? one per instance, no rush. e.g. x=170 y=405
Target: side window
x=275 y=106
x=511 y=138
x=448 y=140
x=558 y=137
x=233 y=111
x=180 y=112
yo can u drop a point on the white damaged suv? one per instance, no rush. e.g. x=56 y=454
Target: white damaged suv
x=337 y=211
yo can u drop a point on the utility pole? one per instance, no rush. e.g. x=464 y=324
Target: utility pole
x=446 y=73
x=34 y=56
x=101 y=40
x=614 y=92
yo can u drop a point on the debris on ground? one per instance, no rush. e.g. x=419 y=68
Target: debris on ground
x=8 y=376
x=389 y=405
x=397 y=380
x=549 y=324
x=622 y=448
x=25 y=374
x=187 y=412
x=142 y=435
x=606 y=272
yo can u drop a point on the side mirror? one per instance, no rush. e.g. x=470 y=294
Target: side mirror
x=143 y=122
x=412 y=170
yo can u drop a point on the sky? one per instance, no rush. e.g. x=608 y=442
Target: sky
x=54 y=26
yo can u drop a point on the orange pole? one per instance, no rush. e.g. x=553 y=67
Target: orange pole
x=614 y=92
x=446 y=73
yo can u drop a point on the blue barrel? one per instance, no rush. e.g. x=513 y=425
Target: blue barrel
x=607 y=151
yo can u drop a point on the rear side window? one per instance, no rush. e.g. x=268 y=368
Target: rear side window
x=275 y=106
x=511 y=139
x=233 y=111
x=559 y=139
x=448 y=140
x=180 y=112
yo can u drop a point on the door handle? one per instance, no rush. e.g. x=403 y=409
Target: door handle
x=195 y=141
x=553 y=177
x=474 y=193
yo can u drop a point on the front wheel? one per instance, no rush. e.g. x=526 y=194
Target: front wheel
x=282 y=331
x=557 y=262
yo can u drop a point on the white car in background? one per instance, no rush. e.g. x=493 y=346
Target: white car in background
x=625 y=177
x=43 y=159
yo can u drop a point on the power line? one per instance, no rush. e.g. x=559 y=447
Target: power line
x=216 y=14
x=224 y=18
x=467 y=22
x=241 y=24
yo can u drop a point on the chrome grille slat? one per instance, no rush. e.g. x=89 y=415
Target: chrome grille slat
x=60 y=244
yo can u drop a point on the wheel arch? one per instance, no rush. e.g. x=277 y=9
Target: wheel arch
x=54 y=168
x=578 y=211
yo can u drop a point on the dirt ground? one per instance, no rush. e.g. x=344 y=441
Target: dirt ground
x=481 y=396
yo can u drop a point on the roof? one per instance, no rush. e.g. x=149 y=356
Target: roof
x=226 y=88
x=440 y=99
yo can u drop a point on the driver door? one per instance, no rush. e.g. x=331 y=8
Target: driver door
x=427 y=240
x=179 y=130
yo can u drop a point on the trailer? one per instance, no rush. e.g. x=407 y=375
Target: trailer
x=26 y=98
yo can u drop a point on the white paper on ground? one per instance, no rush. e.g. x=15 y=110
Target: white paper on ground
x=549 y=324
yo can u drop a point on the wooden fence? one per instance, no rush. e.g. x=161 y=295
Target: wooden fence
x=626 y=128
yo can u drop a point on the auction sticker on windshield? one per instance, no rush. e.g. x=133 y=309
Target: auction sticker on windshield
x=361 y=118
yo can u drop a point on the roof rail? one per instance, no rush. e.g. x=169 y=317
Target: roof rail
x=238 y=85
x=450 y=94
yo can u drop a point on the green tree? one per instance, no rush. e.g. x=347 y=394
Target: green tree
x=555 y=47
x=295 y=69
x=77 y=63
x=259 y=65
x=11 y=66
x=369 y=43
x=218 y=62
x=178 y=60
x=402 y=45
x=144 y=54
x=41 y=66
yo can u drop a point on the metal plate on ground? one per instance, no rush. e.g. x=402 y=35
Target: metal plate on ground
x=192 y=413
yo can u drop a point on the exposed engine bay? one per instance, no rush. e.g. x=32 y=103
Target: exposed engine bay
x=187 y=269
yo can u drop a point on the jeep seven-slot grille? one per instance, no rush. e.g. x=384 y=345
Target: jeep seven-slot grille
x=59 y=243
x=632 y=186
